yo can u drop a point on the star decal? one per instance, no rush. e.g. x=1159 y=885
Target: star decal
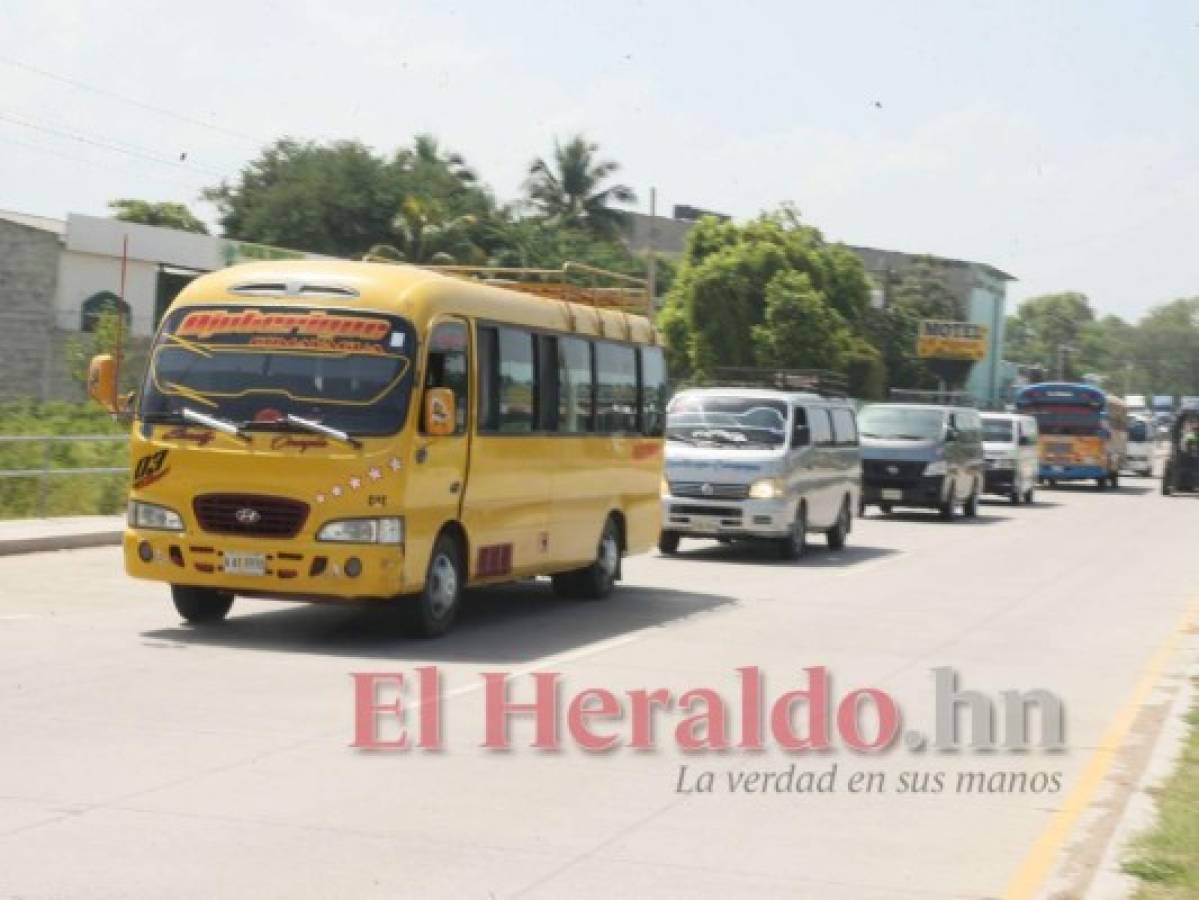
x=374 y=474
x=320 y=498
x=336 y=492
x=395 y=464
x=355 y=483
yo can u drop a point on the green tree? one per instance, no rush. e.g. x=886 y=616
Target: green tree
x=892 y=332
x=1167 y=347
x=163 y=215
x=1044 y=325
x=800 y=329
x=338 y=198
x=570 y=188
x=424 y=234
x=923 y=289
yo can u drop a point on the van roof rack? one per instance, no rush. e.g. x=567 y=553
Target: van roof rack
x=934 y=398
x=574 y=282
x=824 y=382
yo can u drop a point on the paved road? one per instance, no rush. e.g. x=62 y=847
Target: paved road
x=142 y=758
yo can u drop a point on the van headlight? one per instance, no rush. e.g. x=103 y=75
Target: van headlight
x=388 y=530
x=767 y=489
x=1003 y=464
x=153 y=516
x=940 y=467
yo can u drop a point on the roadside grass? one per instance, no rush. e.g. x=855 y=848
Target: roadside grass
x=64 y=495
x=1166 y=859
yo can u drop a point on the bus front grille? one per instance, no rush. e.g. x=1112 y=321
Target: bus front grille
x=251 y=515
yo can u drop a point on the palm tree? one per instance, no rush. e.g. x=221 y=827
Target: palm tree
x=424 y=234
x=426 y=155
x=569 y=187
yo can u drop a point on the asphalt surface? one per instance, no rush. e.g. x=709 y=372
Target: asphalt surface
x=143 y=758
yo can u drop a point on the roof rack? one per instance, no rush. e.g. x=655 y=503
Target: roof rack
x=935 y=398
x=824 y=382
x=574 y=282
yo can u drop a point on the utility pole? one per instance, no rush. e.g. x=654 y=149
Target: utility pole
x=652 y=274
x=1062 y=350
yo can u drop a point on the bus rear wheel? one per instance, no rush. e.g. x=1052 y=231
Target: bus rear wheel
x=201 y=606
x=668 y=542
x=596 y=581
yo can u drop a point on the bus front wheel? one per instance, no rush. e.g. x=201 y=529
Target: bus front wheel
x=201 y=606
x=597 y=580
x=431 y=613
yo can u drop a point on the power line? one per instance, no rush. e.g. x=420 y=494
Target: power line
x=95 y=163
x=132 y=101
x=104 y=143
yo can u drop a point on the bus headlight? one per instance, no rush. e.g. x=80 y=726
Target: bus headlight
x=939 y=467
x=767 y=489
x=153 y=516
x=363 y=531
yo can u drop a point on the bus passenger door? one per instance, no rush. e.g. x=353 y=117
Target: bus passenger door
x=438 y=467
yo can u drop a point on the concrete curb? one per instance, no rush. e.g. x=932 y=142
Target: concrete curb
x=41 y=535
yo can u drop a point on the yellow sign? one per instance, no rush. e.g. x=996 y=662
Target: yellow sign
x=952 y=340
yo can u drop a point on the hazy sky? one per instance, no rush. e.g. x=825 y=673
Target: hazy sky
x=1056 y=141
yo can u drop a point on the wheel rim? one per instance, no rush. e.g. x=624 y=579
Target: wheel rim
x=443 y=586
x=609 y=554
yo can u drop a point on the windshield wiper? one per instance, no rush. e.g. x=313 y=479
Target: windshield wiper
x=224 y=426
x=318 y=428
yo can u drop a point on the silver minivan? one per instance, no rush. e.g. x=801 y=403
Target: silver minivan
x=746 y=463
x=1013 y=459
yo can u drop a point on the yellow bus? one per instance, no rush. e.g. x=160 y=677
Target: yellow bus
x=365 y=431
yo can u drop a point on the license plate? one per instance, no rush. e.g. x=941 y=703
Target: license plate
x=245 y=563
x=892 y=494
x=707 y=524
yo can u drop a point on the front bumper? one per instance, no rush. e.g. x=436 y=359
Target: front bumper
x=926 y=491
x=295 y=569
x=692 y=517
x=999 y=481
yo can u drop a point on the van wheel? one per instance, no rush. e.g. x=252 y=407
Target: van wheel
x=597 y=580
x=838 y=533
x=1114 y=480
x=970 y=507
x=946 y=508
x=201 y=606
x=1101 y=484
x=1030 y=496
x=795 y=544
x=432 y=612
x=885 y=508
x=668 y=542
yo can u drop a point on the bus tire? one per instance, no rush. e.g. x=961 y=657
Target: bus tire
x=668 y=543
x=1114 y=480
x=840 y=531
x=432 y=612
x=1030 y=496
x=596 y=581
x=200 y=605
x=1101 y=484
x=970 y=507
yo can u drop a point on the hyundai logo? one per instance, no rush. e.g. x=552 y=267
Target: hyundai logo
x=892 y=470
x=247 y=515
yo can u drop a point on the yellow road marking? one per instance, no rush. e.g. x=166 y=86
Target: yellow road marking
x=1039 y=861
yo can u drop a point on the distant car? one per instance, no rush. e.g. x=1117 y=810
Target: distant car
x=1013 y=460
x=768 y=465
x=1139 y=451
x=923 y=456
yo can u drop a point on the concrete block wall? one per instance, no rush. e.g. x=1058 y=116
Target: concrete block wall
x=28 y=283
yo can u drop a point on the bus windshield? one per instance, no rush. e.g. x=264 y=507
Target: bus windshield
x=347 y=370
x=737 y=421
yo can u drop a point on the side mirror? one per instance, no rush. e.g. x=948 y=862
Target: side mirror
x=440 y=413
x=802 y=436
x=102 y=382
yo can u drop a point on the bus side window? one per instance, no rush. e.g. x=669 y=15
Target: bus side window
x=576 y=404
x=517 y=381
x=487 y=359
x=654 y=392
x=447 y=367
x=616 y=388
x=548 y=413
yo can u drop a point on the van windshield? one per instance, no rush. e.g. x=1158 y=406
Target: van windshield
x=894 y=423
x=345 y=369
x=736 y=421
x=997 y=431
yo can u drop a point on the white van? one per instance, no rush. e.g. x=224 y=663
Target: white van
x=1139 y=453
x=1013 y=459
x=746 y=463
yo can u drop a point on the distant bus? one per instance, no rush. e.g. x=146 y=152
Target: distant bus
x=1084 y=432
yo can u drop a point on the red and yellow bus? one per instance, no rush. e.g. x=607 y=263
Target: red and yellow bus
x=361 y=431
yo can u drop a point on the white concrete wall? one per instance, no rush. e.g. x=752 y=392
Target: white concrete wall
x=80 y=275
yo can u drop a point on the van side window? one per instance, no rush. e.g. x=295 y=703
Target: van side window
x=616 y=388
x=576 y=405
x=654 y=392
x=822 y=429
x=447 y=367
x=517 y=381
x=801 y=421
x=845 y=428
